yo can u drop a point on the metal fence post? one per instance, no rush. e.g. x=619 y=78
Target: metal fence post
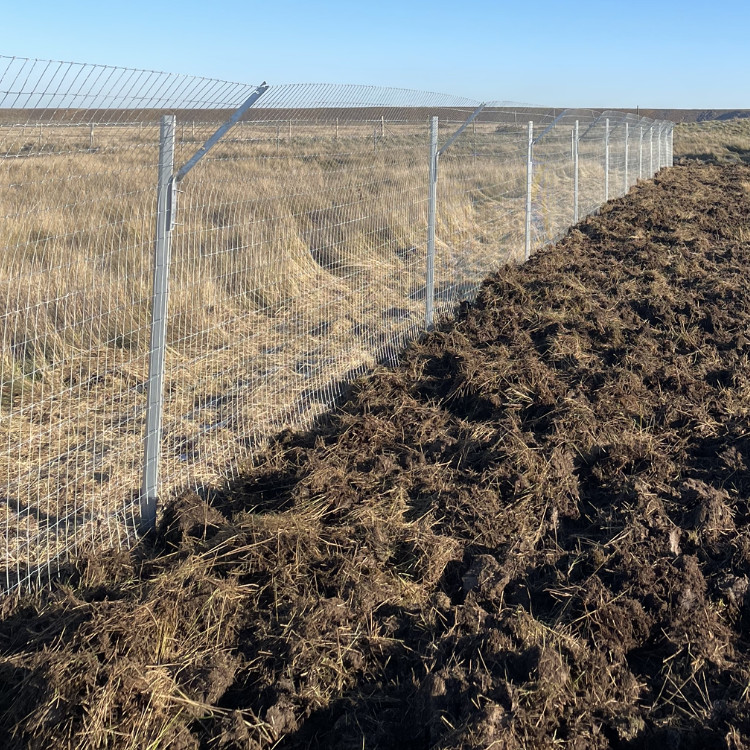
x=659 y=163
x=627 y=155
x=431 y=211
x=606 y=160
x=640 y=155
x=671 y=146
x=157 y=350
x=651 y=151
x=529 y=173
x=575 y=173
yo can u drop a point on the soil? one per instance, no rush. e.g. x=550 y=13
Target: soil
x=532 y=533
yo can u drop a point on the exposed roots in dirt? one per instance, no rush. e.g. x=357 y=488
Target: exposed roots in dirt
x=532 y=533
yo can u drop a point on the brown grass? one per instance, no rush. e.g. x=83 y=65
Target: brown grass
x=718 y=142
x=531 y=533
x=297 y=262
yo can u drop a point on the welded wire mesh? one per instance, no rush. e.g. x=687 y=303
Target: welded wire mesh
x=297 y=262
x=78 y=153
x=582 y=159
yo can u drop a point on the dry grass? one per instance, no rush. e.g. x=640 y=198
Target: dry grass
x=297 y=262
x=720 y=142
x=533 y=532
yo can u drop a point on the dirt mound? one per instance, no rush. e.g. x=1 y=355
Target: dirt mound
x=533 y=532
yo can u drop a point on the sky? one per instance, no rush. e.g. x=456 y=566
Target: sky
x=657 y=54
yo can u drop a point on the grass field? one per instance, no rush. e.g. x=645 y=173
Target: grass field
x=721 y=142
x=298 y=261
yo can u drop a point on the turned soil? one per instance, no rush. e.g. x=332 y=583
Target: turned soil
x=531 y=533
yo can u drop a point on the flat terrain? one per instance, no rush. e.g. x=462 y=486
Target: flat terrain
x=694 y=115
x=532 y=533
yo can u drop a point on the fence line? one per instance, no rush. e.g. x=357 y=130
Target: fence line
x=153 y=338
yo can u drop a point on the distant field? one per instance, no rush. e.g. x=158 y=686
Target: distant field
x=715 y=141
x=693 y=115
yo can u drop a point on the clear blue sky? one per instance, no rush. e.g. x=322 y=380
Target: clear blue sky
x=661 y=53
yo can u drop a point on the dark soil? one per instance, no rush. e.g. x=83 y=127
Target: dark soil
x=533 y=533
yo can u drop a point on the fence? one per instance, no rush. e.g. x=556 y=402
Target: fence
x=191 y=265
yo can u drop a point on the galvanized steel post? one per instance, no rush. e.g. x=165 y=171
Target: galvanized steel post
x=651 y=151
x=671 y=145
x=670 y=154
x=431 y=212
x=432 y=208
x=575 y=173
x=640 y=155
x=529 y=173
x=658 y=148
x=606 y=160
x=165 y=211
x=158 y=346
x=627 y=156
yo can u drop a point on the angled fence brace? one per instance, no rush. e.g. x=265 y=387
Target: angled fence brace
x=435 y=154
x=165 y=219
x=552 y=125
x=473 y=116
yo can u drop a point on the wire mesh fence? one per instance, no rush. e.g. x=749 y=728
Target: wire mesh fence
x=294 y=251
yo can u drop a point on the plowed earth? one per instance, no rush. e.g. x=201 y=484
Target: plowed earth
x=532 y=533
